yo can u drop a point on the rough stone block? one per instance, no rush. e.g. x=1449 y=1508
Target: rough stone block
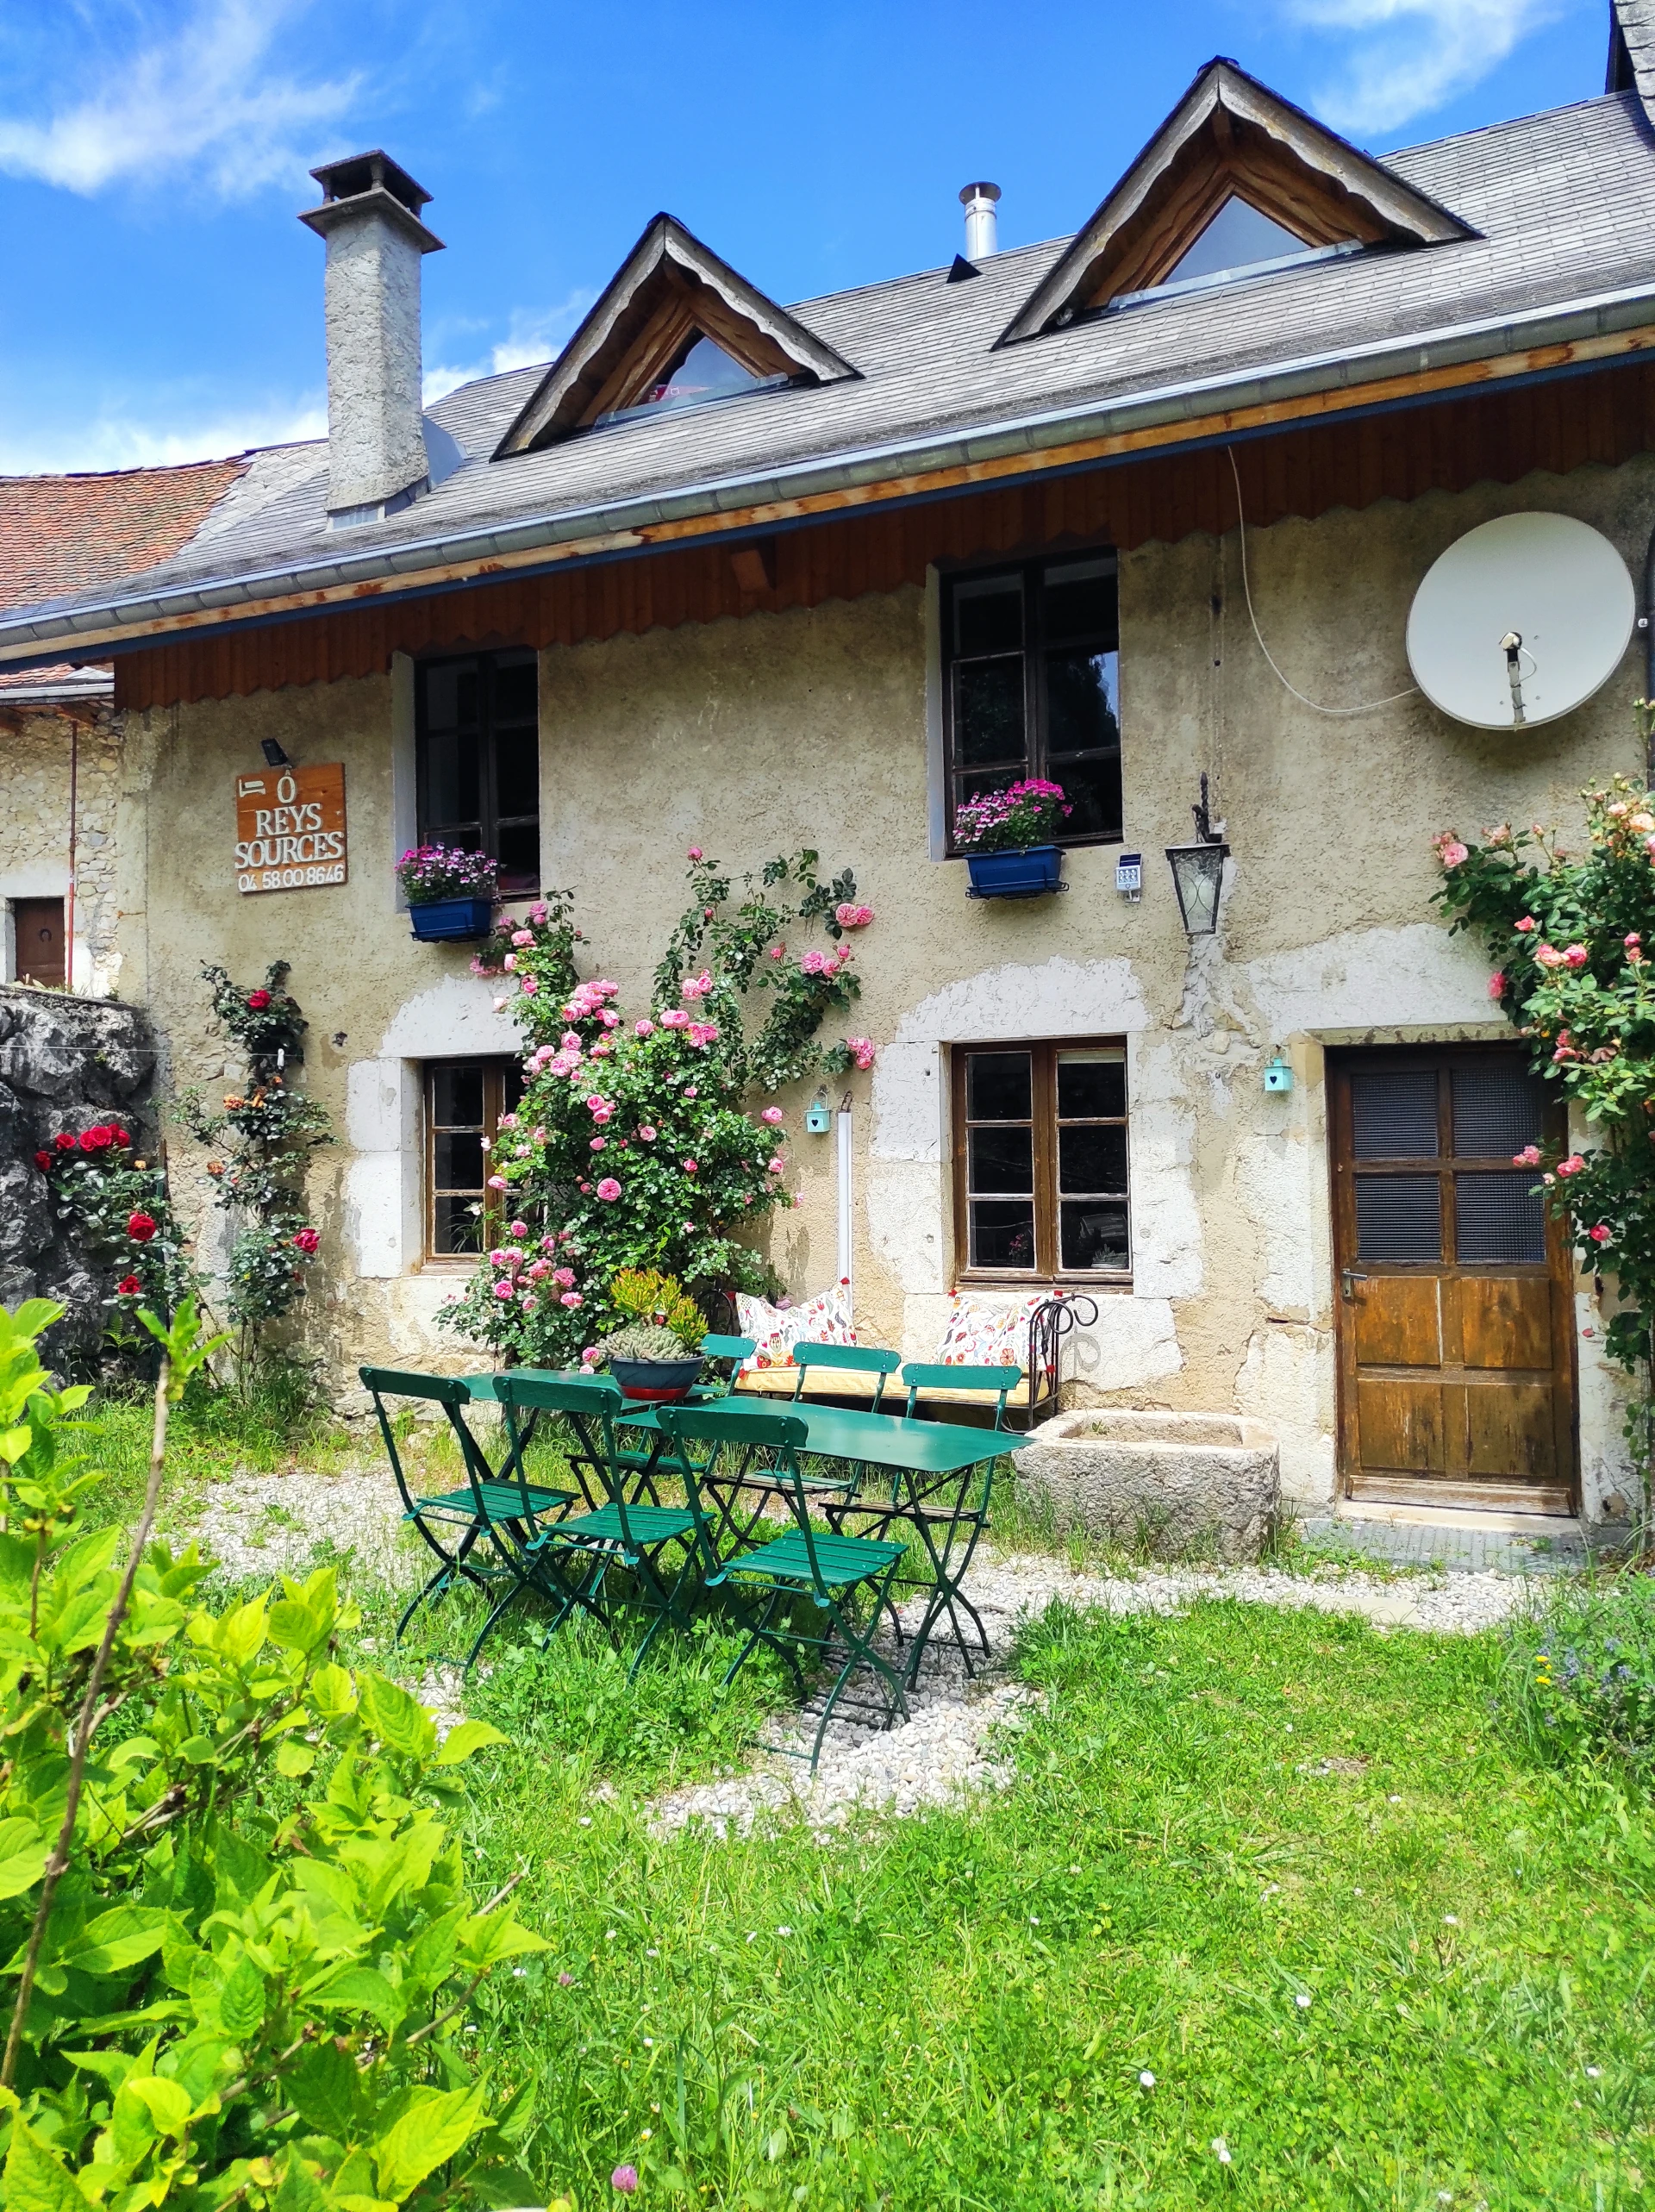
x=1176 y=1483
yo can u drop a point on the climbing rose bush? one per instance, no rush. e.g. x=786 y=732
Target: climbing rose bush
x=1572 y=936
x=632 y=1148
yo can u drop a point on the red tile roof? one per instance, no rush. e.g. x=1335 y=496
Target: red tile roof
x=62 y=533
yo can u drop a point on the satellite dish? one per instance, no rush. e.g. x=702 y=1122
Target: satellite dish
x=1520 y=621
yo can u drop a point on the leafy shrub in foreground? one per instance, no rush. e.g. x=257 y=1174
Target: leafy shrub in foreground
x=1579 y=1679
x=237 y=1941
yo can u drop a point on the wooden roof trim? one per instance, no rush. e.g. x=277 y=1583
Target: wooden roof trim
x=668 y=261
x=1222 y=99
x=1001 y=469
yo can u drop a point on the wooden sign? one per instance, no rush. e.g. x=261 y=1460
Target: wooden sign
x=289 y=828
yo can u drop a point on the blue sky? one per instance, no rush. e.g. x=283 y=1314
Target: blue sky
x=159 y=301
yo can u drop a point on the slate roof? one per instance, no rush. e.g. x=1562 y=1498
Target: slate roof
x=1562 y=206
x=1634 y=19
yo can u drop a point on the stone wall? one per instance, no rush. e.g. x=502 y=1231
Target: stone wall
x=65 y=1063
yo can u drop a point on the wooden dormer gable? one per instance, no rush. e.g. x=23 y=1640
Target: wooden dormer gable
x=1230 y=139
x=670 y=293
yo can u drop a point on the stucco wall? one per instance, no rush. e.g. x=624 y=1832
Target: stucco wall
x=754 y=737
x=34 y=765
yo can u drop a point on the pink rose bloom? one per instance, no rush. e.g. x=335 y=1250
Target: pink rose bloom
x=527 y=985
x=692 y=1090
x=518 y=1229
x=1573 y=1166
x=1631 y=939
x=496 y=1183
x=861 y=1050
x=571 y=1298
x=502 y=1291
x=540 y=1269
x=779 y=952
x=499 y=1005
x=596 y=1144
x=602 y=1049
x=1529 y=1157
x=1450 y=851
x=522 y=936
x=537 y=1135
x=537 y=913
x=1600 y=1234
x=608 y=1189
x=703 y=1034
x=675 y=1018
x=569 y=1041
x=1649 y=846
x=846 y=916
x=596 y=1101
x=1576 y=956
x=647 y=1134
x=607 y=1113
x=1496 y=984
x=777 y=1167
x=527 y=1300
x=498 y=1258
x=509 y=962
x=1525 y=925
x=689 y=1167
x=695 y=854
x=585 y=1186
x=609 y=1018
x=1548 y=956
x=644 y=1029
x=773 y=1114
x=565 y=1276
x=507 y=1121
x=812 y=962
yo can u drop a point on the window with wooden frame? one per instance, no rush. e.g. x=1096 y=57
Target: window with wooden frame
x=478 y=743
x=464 y=1102
x=1041 y=1185
x=1032 y=687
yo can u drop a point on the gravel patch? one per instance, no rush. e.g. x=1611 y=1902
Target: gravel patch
x=261 y=1526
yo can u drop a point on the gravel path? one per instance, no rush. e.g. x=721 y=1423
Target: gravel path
x=261 y=1526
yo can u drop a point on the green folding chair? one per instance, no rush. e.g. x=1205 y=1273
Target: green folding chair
x=628 y=1530
x=997 y=1383
x=806 y=1563
x=851 y=1358
x=452 y=1523
x=735 y=1349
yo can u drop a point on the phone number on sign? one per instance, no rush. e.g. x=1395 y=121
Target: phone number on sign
x=289 y=879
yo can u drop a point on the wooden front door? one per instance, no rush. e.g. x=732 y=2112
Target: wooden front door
x=37 y=924
x=1454 y=1289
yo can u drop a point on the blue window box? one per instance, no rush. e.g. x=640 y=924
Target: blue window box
x=1030 y=872
x=447 y=920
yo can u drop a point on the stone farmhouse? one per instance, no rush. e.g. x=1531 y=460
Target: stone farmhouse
x=1124 y=510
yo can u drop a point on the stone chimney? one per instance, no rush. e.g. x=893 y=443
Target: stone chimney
x=370 y=218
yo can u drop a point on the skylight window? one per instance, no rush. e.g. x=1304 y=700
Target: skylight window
x=1237 y=238
x=702 y=372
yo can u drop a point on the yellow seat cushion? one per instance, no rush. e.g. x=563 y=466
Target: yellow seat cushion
x=847 y=1383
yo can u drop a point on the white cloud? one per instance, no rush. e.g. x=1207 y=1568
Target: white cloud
x=200 y=93
x=113 y=441
x=535 y=335
x=1410 y=56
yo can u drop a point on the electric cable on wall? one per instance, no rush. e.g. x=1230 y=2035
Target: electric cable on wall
x=1369 y=706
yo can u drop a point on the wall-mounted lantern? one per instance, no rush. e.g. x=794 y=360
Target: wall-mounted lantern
x=1198 y=871
x=818 y=1114
x=1279 y=1076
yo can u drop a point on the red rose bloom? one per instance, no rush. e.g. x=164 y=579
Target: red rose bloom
x=118 y=1136
x=127 y=1287
x=307 y=1240
x=42 y=1160
x=141 y=1227
x=64 y=1140
x=98 y=1137
x=258 y=1000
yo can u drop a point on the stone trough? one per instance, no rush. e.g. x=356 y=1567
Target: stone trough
x=1174 y=1484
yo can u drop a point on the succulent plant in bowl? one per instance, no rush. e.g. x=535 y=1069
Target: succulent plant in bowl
x=649 y=1362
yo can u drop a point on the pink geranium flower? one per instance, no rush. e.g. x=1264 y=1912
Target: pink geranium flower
x=608 y=1189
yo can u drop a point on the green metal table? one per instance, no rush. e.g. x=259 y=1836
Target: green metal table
x=932 y=1465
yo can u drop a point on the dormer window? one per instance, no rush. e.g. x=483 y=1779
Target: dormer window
x=1238 y=238
x=702 y=372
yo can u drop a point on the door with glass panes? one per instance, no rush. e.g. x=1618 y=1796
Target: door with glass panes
x=1453 y=1289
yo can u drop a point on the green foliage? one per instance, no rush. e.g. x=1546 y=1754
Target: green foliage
x=252 y=1960
x=266 y=1136
x=630 y=1149
x=645 y=1294
x=1578 y=1685
x=122 y=1207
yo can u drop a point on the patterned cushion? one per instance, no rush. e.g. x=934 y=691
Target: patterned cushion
x=777 y=1330
x=989 y=1331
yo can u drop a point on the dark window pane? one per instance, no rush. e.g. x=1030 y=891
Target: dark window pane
x=456 y=1225
x=1092 y=789
x=453 y=791
x=516 y=691
x=1398 y=1217
x=1497 y=1219
x=989 y=615
x=998 y=1087
x=1395 y=1115
x=517 y=773
x=1002 y=1232
x=1091 y=1156
x=515 y=1084
x=518 y=851
x=1001 y=1159
x=1082 y=693
x=1091 y=1084
x=456 y=1160
x=1497 y=1111
x=987 y=711
x=457 y=1095
x=453 y=695
x=1092 y=1235
x=1079 y=602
